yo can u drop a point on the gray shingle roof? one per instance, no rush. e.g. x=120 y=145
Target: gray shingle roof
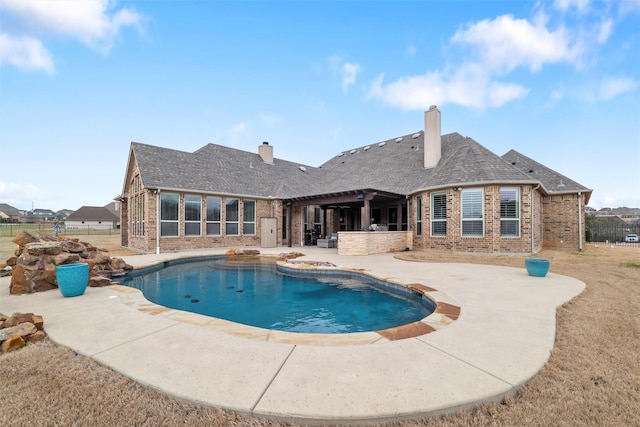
x=92 y=213
x=551 y=181
x=394 y=166
x=9 y=210
x=224 y=170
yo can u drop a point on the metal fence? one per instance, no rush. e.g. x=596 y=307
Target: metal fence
x=609 y=232
x=11 y=229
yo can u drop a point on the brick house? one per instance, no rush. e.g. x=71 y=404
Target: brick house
x=421 y=191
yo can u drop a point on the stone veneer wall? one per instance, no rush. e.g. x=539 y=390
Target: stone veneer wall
x=561 y=228
x=373 y=242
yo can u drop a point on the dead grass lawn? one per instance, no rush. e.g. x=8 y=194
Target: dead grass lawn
x=592 y=378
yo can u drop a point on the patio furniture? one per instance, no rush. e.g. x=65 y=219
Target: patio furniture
x=329 y=243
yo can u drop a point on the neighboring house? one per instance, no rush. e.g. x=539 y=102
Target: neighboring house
x=424 y=190
x=9 y=214
x=114 y=207
x=40 y=215
x=628 y=215
x=94 y=217
x=62 y=214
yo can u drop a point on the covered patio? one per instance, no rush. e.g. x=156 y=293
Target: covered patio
x=350 y=216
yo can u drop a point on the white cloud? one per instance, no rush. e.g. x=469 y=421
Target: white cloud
x=349 y=73
x=612 y=87
x=346 y=71
x=580 y=5
x=505 y=43
x=469 y=86
x=20 y=196
x=239 y=132
x=604 y=31
x=491 y=49
x=25 y=53
x=411 y=50
x=92 y=22
x=629 y=6
x=269 y=119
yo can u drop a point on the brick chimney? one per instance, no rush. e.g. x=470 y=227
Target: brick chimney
x=266 y=152
x=432 y=137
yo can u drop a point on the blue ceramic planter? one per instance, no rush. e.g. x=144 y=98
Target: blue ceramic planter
x=537 y=267
x=72 y=279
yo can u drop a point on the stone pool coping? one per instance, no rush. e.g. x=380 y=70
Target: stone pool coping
x=446 y=312
x=502 y=338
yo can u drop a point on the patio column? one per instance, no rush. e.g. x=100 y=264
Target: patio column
x=367 y=214
x=289 y=227
x=399 y=217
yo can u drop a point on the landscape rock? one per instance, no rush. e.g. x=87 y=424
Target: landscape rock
x=23 y=237
x=72 y=246
x=38 y=321
x=21 y=330
x=17 y=318
x=12 y=343
x=66 y=258
x=12 y=261
x=34 y=265
x=19 y=282
x=99 y=281
x=27 y=259
x=35 y=337
x=18 y=329
x=43 y=248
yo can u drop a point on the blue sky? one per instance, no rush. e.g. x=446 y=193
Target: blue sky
x=558 y=81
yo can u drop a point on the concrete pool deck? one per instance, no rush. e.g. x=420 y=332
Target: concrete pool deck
x=502 y=338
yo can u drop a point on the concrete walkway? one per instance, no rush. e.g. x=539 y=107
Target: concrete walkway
x=502 y=338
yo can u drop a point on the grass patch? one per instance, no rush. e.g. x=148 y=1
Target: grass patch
x=631 y=265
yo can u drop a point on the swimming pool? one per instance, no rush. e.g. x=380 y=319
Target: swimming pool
x=258 y=294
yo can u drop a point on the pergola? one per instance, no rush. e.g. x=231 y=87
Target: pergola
x=366 y=198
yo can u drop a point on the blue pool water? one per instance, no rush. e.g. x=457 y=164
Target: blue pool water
x=259 y=295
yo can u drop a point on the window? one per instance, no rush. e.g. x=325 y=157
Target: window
x=137 y=207
x=509 y=212
x=168 y=214
x=231 y=217
x=192 y=214
x=439 y=214
x=213 y=216
x=248 y=217
x=419 y=216
x=472 y=213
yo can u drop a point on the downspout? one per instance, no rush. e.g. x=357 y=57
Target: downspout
x=158 y=222
x=580 y=220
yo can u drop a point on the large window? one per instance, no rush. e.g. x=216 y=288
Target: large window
x=419 y=215
x=136 y=211
x=248 y=217
x=231 y=216
x=439 y=214
x=473 y=213
x=509 y=212
x=169 y=214
x=213 y=216
x=192 y=215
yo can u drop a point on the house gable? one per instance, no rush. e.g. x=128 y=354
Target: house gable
x=552 y=182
